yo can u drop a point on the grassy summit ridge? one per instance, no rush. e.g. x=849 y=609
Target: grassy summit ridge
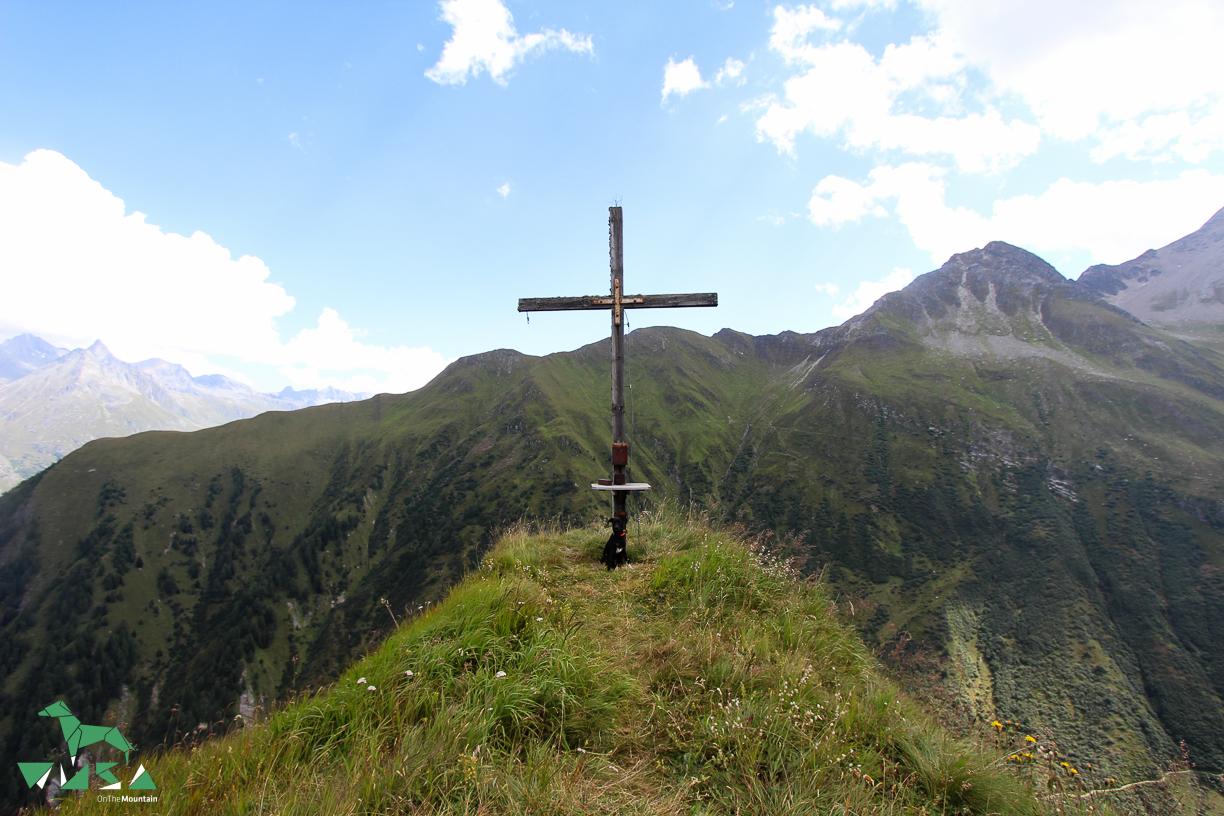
x=706 y=679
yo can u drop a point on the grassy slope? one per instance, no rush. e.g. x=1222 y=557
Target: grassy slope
x=926 y=477
x=706 y=679
x=749 y=425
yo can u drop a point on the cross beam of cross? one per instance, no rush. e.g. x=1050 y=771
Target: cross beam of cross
x=617 y=302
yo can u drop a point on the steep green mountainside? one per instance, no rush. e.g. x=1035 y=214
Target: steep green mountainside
x=707 y=679
x=1005 y=465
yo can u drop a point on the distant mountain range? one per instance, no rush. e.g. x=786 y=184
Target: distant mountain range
x=1001 y=463
x=54 y=400
x=1179 y=287
x=22 y=354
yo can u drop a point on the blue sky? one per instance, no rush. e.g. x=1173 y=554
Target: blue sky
x=354 y=194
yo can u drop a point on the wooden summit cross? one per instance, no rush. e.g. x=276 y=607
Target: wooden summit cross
x=617 y=302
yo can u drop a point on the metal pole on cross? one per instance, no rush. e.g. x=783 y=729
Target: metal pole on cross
x=619 y=485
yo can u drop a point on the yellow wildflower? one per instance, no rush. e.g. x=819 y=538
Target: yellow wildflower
x=1030 y=739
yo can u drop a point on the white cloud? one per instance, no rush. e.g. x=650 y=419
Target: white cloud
x=1139 y=79
x=911 y=99
x=792 y=27
x=731 y=72
x=681 y=77
x=840 y=5
x=1112 y=221
x=484 y=39
x=1163 y=136
x=333 y=346
x=837 y=200
x=868 y=292
x=78 y=269
x=1080 y=65
x=828 y=288
x=504 y=190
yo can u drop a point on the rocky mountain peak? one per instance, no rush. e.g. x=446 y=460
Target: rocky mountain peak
x=170 y=375
x=1002 y=261
x=22 y=354
x=1180 y=283
x=986 y=288
x=998 y=302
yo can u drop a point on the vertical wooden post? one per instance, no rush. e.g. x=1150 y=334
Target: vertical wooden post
x=617 y=263
x=618 y=302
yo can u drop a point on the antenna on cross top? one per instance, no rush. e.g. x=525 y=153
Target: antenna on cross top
x=615 y=552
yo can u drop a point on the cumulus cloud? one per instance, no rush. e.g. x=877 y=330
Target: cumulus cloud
x=837 y=200
x=76 y=265
x=913 y=98
x=732 y=73
x=868 y=292
x=1084 y=65
x=504 y=190
x=332 y=346
x=484 y=39
x=1163 y=136
x=1139 y=79
x=1099 y=218
x=828 y=288
x=79 y=269
x=793 y=26
x=680 y=78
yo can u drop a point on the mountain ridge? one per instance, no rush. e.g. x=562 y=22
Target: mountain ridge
x=22 y=354
x=1179 y=287
x=89 y=393
x=1180 y=281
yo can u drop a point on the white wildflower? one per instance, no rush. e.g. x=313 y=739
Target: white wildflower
x=501 y=674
